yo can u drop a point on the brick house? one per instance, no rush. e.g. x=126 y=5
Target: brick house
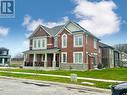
x=67 y=46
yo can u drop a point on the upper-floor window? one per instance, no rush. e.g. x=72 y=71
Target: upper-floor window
x=40 y=43
x=43 y=43
x=4 y=52
x=64 y=41
x=34 y=44
x=55 y=42
x=78 y=40
x=95 y=43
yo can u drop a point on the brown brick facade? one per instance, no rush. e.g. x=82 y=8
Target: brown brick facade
x=87 y=48
x=50 y=42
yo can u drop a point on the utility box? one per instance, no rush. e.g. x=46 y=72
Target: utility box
x=73 y=77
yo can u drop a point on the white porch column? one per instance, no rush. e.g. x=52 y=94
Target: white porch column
x=34 y=59
x=45 y=61
x=54 y=60
x=3 y=61
x=42 y=58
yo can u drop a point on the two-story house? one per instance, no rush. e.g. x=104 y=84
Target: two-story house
x=4 y=56
x=67 y=46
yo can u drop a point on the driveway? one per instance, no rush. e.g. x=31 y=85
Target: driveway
x=22 y=87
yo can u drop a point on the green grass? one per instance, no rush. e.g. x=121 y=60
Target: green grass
x=112 y=74
x=56 y=79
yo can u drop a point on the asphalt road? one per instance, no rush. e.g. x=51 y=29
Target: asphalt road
x=22 y=87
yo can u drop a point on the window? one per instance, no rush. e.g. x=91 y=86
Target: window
x=43 y=43
x=78 y=57
x=4 y=52
x=64 y=41
x=34 y=43
x=55 y=42
x=64 y=57
x=39 y=43
x=78 y=40
x=95 y=43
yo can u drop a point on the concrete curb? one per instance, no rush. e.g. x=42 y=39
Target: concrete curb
x=69 y=86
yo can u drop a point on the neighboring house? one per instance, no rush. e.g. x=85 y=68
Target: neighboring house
x=67 y=46
x=107 y=55
x=117 y=58
x=4 y=56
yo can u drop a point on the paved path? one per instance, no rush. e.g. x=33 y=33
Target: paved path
x=10 y=86
x=61 y=76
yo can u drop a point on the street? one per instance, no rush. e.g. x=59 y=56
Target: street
x=22 y=87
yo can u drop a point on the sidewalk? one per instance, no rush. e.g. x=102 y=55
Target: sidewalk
x=61 y=76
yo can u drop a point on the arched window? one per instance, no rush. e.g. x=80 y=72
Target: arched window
x=64 y=41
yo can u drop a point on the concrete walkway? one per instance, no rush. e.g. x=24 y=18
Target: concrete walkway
x=61 y=76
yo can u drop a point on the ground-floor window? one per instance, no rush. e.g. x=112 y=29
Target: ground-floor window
x=64 y=57
x=78 y=57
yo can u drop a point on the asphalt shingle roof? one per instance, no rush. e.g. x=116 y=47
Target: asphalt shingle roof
x=54 y=30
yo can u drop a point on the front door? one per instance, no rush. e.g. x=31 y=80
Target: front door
x=90 y=61
x=49 y=59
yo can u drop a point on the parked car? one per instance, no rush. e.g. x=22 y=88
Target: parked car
x=119 y=89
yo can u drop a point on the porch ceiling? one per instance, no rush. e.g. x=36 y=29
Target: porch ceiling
x=42 y=51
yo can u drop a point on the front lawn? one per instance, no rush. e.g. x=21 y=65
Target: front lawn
x=105 y=85
x=112 y=74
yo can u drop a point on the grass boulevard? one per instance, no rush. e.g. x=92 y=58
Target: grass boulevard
x=109 y=74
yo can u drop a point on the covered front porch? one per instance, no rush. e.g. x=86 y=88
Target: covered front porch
x=41 y=59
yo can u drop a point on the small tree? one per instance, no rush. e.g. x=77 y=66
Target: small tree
x=121 y=47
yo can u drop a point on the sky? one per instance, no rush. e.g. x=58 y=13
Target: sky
x=106 y=19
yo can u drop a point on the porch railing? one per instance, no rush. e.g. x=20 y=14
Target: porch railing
x=28 y=63
x=39 y=64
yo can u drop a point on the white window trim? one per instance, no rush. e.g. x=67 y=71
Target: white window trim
x=37 y=39
x=74 y=40
x=62 y=57
x=74 y=58
x=86 y=39
x=62 y=41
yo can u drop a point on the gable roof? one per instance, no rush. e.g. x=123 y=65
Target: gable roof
x=37 y=30
x=51 y=31
x=55 y=30
x=89 y=33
